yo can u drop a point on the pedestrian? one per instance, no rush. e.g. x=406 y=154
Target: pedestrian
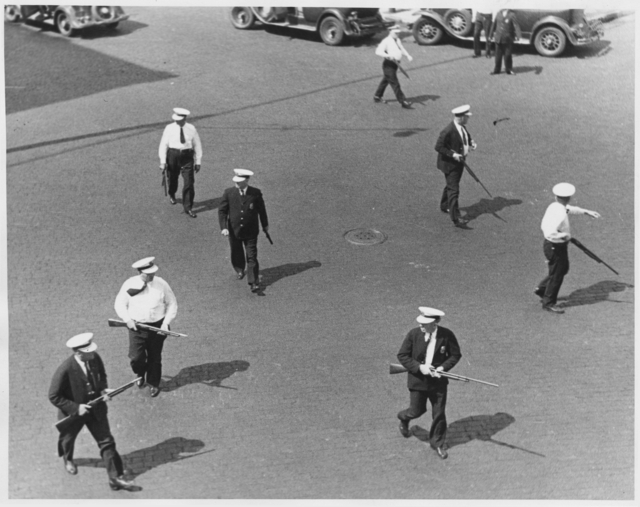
x=504 y=31
x=426 y=351
x=81 y=378
x=391 y=49
x=557 y=233
x=146 y=299
x=453 y=146
x=481 y=19
x=240 y=214
x=180 y=152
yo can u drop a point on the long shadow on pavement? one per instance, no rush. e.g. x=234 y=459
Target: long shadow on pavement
x=476 y=427
x=209 y=204
x=138 y=462
x=491 y=206
x=270 y=276
x=596 y=293
x=210 y=374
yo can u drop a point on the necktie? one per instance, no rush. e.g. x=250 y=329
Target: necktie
x=464 y=136
x=135 y=292
x=91 y=376
x=182 y=139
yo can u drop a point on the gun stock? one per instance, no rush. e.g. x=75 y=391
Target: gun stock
x=119 y=323
x=396 y=368
x=164 y=181
x=591 y=254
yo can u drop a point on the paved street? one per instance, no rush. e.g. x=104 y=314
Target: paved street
x=288 y=395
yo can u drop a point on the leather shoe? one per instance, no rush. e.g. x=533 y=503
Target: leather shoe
x=475 y=56
x=255 y=287
x=172 y=199
x=406 y=104
x=444 y=210
x=460 y=222
x=553 y=309
x=379 y=100
x=70 y=467
x=493 y=73
x=539 y=291
x=511 y=73
x=404 y=429
x=191 y=214
x=154 y=391
x=442 y=453
x=117 y=483
x=239 y=275
x=140 y=383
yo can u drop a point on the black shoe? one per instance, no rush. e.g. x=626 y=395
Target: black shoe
x=140 y=383
x=255 y=287
x=154 y=391
x=442 y=453
x=406 y=104
x=493 y=73
x=511 y=73
x=117 y=483
x=239 y=275
x=444 y=210
x=70 y=467
x=539 y=291
x=191 y=214
x=475 y=56
x=460 y=222
x=172 y=199
x=379 y=100
x=404 y=429
x=553 y=309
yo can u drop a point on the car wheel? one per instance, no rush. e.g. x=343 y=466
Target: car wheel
x=550 y=41
x=458 y=21
x=12 y=13
x=427 y=32
x=242 y=18
x=331 y=31
x=64 y=25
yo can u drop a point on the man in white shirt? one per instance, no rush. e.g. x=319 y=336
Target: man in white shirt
x=179 y=149
x=557 y=233
x=146 y=299
x=391 y=49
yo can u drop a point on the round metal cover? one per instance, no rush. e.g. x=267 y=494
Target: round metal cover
x=365 y=236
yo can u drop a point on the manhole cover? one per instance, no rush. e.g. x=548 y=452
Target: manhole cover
x=364 y=236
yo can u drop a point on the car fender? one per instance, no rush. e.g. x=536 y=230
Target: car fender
x=434 y=16
x=555 y=22
x=336 y=14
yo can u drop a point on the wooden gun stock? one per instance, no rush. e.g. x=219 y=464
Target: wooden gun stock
x=119 y=323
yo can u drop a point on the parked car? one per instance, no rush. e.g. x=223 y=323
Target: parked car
x=68 y=19
x=332 y=23
x=547 y=30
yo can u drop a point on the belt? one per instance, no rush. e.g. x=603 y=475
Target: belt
x=181 y=151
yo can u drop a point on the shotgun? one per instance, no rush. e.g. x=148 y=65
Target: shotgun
x=591 y=254
x=120 y=323
x=398 y=368
x=473 y=175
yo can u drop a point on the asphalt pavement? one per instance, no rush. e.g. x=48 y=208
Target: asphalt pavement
x=288 y=395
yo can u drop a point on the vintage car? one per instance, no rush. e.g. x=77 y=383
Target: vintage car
x=547 y=30
x=332 y=23
x=68 y=19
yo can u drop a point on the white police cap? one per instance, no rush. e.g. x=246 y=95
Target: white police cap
x=429 y=315
x=564 y=190
x=145 y=265
x=241 y=174
x=82 y=342
x=462 y=110
x=180 y=113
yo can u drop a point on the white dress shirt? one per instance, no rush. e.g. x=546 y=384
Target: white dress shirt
x=555 y=223
x=171 y=139
x=431 y=346
x=391 y=48
x=156 y=301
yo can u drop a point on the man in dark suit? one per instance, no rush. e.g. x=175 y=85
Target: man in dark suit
x=504 y=31
x=426 y=351
x=240 y=213
x=80 y=379
x=453 y=146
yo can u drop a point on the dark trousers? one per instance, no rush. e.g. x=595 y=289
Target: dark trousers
x=390 y=77
x=145 y=353
x=449 y=199
x=418 y=406
x=558 y=261
x=482 y=23
x=99 y=429
x=181 y=163
x=503 y=48
x=244 y=252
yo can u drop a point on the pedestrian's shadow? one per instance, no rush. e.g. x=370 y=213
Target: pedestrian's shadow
x=477 y=427
x=491 y=206
x=210 y=374
x=418 y=99
x=270 y=276
x=138 y=462
x=596 y=293
x=202 y=206
x=408 y=132
x=537 y=70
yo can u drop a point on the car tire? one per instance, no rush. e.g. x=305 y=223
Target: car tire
x=242 y=18
x=550 y=41
x=12 y=14
x=427 y=32
x=63 y=24
x=458 y=22
x=331 y=31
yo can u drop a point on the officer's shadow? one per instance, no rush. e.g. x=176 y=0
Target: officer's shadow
x=477 y=427
x=202 y=206
x=489 y=206
x=138 y=462
x=596 y=293
x=270 y=276
x=210 y=374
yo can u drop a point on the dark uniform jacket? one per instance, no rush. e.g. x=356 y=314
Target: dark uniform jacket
x=450 y=142
x=241 y=214
x=505 y=28
x=70 y=387
x=413 y=353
